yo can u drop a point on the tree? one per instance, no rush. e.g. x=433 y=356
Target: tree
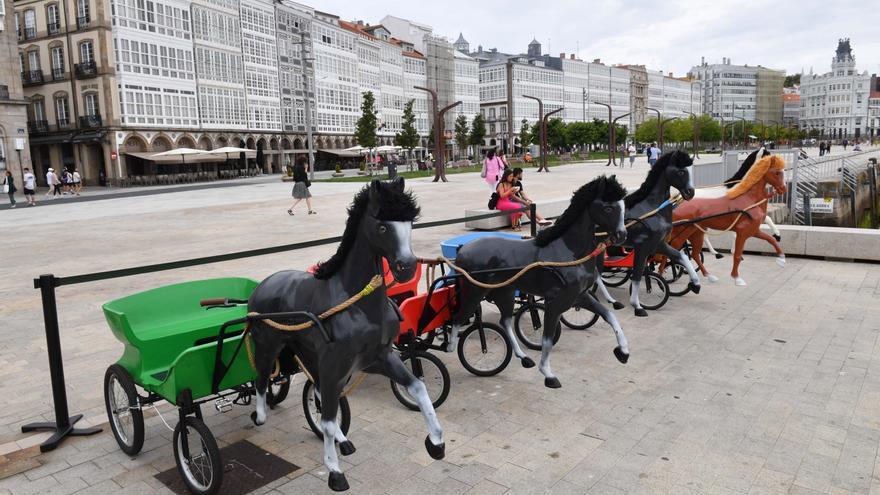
x=365 y=131
x=600 y=132
x=792 y=80
x=478 y=132
x=408 y=137
x=557 y=134
x=620 y=133
x=580 y=133
x=647 y=132
x=525 y=134
x=710 y=129
x=462 y=133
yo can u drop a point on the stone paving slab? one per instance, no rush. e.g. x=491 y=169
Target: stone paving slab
x=772 y=388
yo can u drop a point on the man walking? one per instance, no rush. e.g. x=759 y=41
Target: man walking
x=653 y=154
x=30 y=187
x=50 y=181
x=631 y=151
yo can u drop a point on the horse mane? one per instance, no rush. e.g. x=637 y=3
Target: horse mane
x=744 y=168
x=675 y=158
x=395 y=205
x=606 y=188
x=755 y=174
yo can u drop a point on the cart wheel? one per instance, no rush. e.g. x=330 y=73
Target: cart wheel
x=578 y=318
x=528 y=323
x=677 y=279
x=485 y=354
x=312 y=411
x=429 y=369
x=198 y=457
x=126 y=423
x=278 y=389
x=653 y=292
x=615 y=276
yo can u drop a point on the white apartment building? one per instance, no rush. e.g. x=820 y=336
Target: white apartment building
x=740 y=91
x=415 y=74
x=294 y=68
x=260 y=51
x=672 y=96
x=836 y=103
x=337 y=93
x=467 y=85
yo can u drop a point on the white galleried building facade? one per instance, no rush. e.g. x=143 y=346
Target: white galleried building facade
x=731 y=91
x=836 y=103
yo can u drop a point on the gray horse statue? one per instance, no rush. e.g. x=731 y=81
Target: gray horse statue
x=598 y=203
x=356 y=339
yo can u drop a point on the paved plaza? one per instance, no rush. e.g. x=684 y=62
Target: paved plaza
x=772 y=388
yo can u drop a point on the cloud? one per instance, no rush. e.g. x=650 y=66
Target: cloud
x=670 y=36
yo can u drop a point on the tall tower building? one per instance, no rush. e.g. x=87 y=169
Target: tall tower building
x=461 y=45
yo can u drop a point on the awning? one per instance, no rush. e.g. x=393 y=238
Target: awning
x=341 y=153
x=51 y=139
x=148 y=156
x=88 y=136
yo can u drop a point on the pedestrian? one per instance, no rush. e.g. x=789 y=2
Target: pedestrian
x=30 y=187
x=828 y=148
x=506 y=191
x=845 y=144
x=50 y=181
x=503 y=158
x=301 y=185
x=65 y=181
x=77 y=182
x=9 y=187
x=653 y=154
x=521 y=197
x=821 y=148
x=631 y=151
x=493 y=167
x=57 y=182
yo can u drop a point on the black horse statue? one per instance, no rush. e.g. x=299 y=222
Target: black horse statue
x=648 y=236
x=379 y=226
x=597 y=203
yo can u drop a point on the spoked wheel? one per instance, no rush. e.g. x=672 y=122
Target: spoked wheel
x=677 y=278
x=615 y=276
x=312 y=411
x=653 y=291
x=528 y=323
x=484 y=352
x=429 y=369
x=126 y=419
x=578 y=318
x=197 y=457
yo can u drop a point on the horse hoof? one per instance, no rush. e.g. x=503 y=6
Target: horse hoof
x=618 y=305
x=527 y=362
x=739 y=282
x=641 y=312
x=254 y=419
x=337 y=482
x=694 y=287
x=719 y=256
x=777 y=237
x=552 y=382
x=347 y=448
x=781 y=261
x=620 y=355
x=436 y=452
x=712 y=278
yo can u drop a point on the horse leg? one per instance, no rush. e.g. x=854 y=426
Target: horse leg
x=469 y=298
x=780 y=254
x=552 y=314
x=329 y=408
x=638 y=270
x=712 y=250
x=504 y=302
x=267 y=346
x=773 y=228
x=671 y=253
x=739 y=245
x=621 y=352
x=393 y=368
x=607 y=295
x=697 y=240
x=345 y=445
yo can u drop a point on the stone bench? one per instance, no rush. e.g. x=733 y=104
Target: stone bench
x=546 y=208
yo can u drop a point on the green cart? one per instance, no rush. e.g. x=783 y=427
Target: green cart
x=183 y=345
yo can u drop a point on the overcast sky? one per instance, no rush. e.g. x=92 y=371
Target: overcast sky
x=670 y=35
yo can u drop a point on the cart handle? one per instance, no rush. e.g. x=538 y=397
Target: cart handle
x=221 y=301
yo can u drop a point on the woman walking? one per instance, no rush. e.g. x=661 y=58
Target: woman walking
x=9 y=187
x=301 y=185
x=493 y=167
x=506 y=198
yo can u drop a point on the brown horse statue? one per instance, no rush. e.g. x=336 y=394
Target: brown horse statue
x=741 y=210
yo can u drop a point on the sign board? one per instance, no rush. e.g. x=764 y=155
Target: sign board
x=19 y=143
x=818 y=205
x=112 y=155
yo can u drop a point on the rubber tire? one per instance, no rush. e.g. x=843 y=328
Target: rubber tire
x=657 y=282
x=137 y=415
x=344 y=409
x=404 y=397
x=211 y=448
x=519 y=334
x=614 y=282
x=273 y=399
x=585 y=326
x=673 y=273
x=487 y=328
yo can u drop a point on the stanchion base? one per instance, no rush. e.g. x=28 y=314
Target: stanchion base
x=55 y=440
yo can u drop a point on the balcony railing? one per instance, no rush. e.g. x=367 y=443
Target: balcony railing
x=86 y=69
x=89 y=121
x=54 y=28
x=4 y=92
x=83 y=22
x=57 y=73
x=38 y=126
x=63 y=123
x=30 y=33
x=31 y=77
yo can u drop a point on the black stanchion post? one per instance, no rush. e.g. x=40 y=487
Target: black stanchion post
x=63 y=425
x=533 y=225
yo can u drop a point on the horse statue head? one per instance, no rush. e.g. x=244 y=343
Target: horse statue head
x=382 y=213
x=746 y=166
x=767 y=170
x=675 y=170
x=602 y=200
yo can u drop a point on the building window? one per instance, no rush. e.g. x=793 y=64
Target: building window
x=82 y=14
x=91 y=104
x=86 y=52
x=61 y=111
x=53 y=20
x=39 y=110
x=34 y=60
x=57 y=62
x=30 y=24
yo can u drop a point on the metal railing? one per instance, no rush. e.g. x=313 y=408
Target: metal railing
x=85 y=69
x=38 y=126
x=90 y=121
x=63 y=424
x=57 y=73
x=83 y=22
x=54 y=28
x=811 y=171
x=30 y=33
x=32 y=77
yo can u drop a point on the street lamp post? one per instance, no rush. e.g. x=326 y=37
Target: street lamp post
x=543 y=120
x=439 y=145
x=613 y=139
x=610 y=137
x=659 y=127
x=662 y=125
x=775 y=130
x=696 y=133
x=735 y=118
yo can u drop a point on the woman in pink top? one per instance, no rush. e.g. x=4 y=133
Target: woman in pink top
x=493 y=167
x=506 y=194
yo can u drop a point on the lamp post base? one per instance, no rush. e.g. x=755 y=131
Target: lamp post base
x=60 y=433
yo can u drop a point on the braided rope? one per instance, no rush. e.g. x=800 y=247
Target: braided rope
x=732 y=224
